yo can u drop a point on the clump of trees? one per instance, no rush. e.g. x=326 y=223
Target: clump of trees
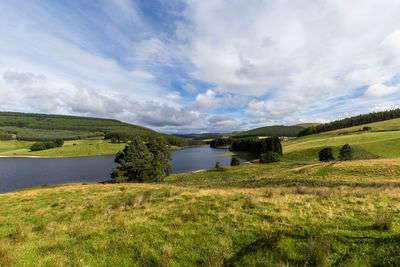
x=326 y=154
x=219 y=142
x=46 y=145
x=269 y=157
x=345 y=153
x=235 y=161
x=125 y=135
x=143 y=160
x=5 y=136
x=352 y=121
x=257 y=146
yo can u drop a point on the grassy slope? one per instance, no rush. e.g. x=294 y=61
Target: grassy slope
x=291 y=212
x=89 y=147
x=382 y=141
x=251 y=215
x=277 y=130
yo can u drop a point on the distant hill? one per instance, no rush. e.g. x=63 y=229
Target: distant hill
x=42 y=127
x=277 y=130
x=307 y=124
x=201 y=136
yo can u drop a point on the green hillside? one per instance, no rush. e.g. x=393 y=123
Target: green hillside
x=85 y=136
x=277 y=130
x=382 y=140
x=352 y=121
x=35 y=127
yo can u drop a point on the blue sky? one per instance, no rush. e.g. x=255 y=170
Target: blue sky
x=181 y=66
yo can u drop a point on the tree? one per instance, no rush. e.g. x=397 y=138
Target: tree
x=269 y=157
x=326 y=154
x=346 y=152
x=59 y=142
x=235 y=161
x=217 y=166
x=143 y=161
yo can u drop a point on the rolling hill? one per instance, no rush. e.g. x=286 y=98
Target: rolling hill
x=85 y=136
x=277 y=130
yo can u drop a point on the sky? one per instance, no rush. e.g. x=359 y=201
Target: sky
x=189 y=66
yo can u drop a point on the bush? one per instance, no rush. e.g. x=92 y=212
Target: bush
x=59 y=142
x=42 y=146
x=235 y=161
x=326 y=154
x=5 y=136
x=217 y=165
x=366 y=128
x=383 y=221
x=269 y=157
x=346 y=153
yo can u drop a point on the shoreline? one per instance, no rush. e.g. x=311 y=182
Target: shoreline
x=72 y=156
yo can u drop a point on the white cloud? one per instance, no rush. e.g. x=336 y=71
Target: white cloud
x=211 y=100
x=379 y=90
x=189 y=88
x=283 y=49
x=142 y=75
x=174 y=95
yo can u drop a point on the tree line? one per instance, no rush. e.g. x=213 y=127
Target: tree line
x=5 y=136
x=46 y=145
x=352 y=121
x=257 y=146
x=218 y=142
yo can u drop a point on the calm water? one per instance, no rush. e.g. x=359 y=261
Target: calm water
x=16 y=173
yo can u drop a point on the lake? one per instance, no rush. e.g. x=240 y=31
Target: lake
x=17 y=173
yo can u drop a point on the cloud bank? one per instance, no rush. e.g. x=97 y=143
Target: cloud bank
x=185 y=65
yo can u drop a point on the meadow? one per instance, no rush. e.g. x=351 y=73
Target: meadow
x=75 y=148
x=343 y=214
x=298 y=212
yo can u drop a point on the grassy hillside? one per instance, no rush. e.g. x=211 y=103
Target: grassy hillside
x=258 y=215
x=278 y=130
x=82 y=131
x=383 y=140
x=35 y=127
x=76 y=148
x=307 y=124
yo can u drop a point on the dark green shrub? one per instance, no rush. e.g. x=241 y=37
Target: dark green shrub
x=269 y=157
x=42 y=146
x=366 y=128
x=346 y=153
x=217 y=166
x=235 y=161
x=326 y=154
x=5 y=136
x=59 y=142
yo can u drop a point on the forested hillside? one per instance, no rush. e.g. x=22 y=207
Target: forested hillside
x=352 y=121
x=277 y=130
x=42 y=127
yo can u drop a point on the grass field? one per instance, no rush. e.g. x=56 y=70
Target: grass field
x=88 y=147
x=298 y=212
x=344 y=214
x=383 y=140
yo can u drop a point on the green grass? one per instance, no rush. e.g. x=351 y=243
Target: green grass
x=381 y=141
x=257 y=215
x=89 y=147
x=297 y=212
x=277 y=130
